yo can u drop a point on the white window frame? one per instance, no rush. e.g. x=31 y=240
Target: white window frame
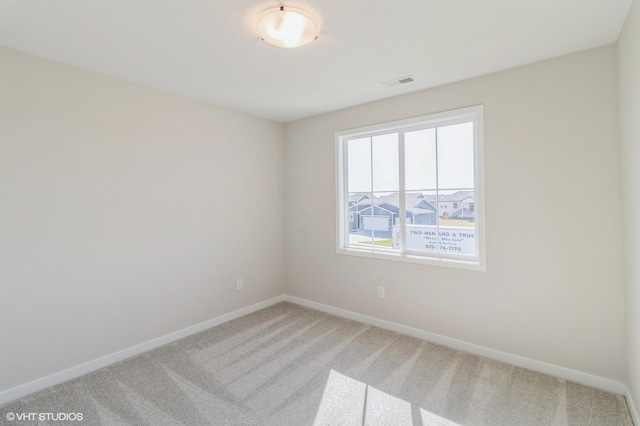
x=473 y=114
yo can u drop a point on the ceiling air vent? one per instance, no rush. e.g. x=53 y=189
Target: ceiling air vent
x=398 y=81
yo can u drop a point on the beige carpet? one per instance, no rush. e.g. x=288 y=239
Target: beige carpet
x=289 y=365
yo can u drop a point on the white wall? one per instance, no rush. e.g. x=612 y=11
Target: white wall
x=553 y=290
x=629 y=57
x=126 y=213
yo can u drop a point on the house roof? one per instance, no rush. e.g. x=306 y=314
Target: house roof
x=416 y=203
x=457 y=196
x=357 y=197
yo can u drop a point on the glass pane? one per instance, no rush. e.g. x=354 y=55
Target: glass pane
x=455 y=156
x=385 y=163
x=384 y=219
x=442 y=222
x=372 y=220
x=422 y=218
x=359 y=165
x=457 y=222
x=420 y=159
x=358 y=214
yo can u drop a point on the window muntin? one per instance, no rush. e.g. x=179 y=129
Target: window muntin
x=409 y=190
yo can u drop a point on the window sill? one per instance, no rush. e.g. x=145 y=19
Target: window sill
x=403 y=257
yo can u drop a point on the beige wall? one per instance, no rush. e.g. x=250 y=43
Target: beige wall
x=553 y=290
x=629 y=48
x=126 y=213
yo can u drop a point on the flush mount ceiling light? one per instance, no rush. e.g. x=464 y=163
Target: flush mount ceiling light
x=286 y=27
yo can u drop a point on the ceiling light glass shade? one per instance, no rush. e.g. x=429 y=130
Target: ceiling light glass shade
x=286 y=27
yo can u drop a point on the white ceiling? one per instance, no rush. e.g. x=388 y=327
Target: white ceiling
x=207 y=49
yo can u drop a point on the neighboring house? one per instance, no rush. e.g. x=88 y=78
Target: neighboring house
x=459 y=205
x=357 y=197
x=357 y=202
x=383 y=213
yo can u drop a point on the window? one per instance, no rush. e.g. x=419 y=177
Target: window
x=412 y=171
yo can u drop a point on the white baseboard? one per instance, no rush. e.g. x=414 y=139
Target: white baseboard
x=517 y=360
x=73 y=372
x=632 y=407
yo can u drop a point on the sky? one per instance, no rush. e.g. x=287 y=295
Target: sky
x=380 y=154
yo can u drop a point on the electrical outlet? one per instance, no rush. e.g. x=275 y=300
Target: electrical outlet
x=381 y=292
x=240 y=284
